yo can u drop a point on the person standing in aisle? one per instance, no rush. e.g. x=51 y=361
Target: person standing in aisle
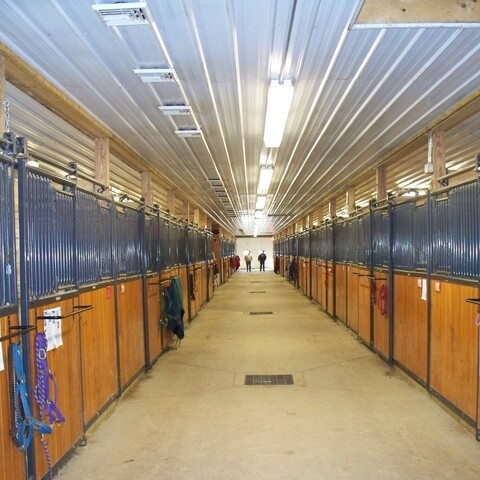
x=248 y=260
x=261 y=258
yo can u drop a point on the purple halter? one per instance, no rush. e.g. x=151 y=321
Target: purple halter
x=46 y=405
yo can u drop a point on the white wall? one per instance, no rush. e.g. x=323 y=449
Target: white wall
x=255 y=245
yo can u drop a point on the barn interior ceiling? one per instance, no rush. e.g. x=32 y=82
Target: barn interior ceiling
x=184 y=84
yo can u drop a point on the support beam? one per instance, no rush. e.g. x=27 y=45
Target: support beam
x=332 y=208
x=147 y=192
x=171 y=201
x=350 y=201
x=381 y=185
x=320 y=214
x=209 y=224
x=186 y=210
x=437 y=155
x=102 y=161
x=196 y=216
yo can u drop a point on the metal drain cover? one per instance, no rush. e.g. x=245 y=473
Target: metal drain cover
x=284 y=379
x=261 y=313
x=259 y=291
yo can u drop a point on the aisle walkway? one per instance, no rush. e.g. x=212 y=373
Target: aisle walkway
x=348 y=415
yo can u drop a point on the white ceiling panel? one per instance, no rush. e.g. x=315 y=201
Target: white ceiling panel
x=358 y=94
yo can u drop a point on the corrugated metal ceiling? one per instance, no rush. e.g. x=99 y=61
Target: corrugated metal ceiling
x=358 y=94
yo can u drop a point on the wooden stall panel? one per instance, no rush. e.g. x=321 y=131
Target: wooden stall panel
x=341 y=292
x=410 y=325
x=302 y=273
x=315 y=281
x=364 y=302
x=330 y=289
x=166 y=333
x=352 y=297
x=98 y=350
x=379 y=295
x=308 y=287
x=154 y=327
x=323 y=285
x=130 y=327
x=454 y=345
x=12 y=464
x=65 y=364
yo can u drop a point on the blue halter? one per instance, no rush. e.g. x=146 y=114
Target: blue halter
x=24 y=424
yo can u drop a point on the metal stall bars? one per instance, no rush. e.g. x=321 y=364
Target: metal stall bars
x=381 y=234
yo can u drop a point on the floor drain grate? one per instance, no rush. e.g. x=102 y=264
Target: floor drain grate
x=259 y=291
x=261 y=313
x=284 y=379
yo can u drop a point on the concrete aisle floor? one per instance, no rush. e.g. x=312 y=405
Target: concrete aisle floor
x=348 y=416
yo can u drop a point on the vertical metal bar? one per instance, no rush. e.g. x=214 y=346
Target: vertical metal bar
x=430 y=255
x=143 y=249
x=391 y=286
x=24 y=290
x=187 y=262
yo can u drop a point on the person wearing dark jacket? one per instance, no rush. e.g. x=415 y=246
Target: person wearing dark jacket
x=261 y=258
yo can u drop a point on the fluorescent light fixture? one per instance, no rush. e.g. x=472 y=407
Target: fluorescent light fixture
x=261 y=201
x=264 y=180
x=116 y=14
x=255 y=230
x=176 y=109
x=156 y=75
x=256 y=221
x=278 y=105
x=189 y=133
x=258 y=214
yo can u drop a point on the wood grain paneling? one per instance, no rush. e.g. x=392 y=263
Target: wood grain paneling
x=381 y=333
x=323 y=284
x=410 y=325
x=330 y=289
x=130 y=327
x=364 y=299
x=12 y=464
x=352 y=297
x=65 y=364
x=341 y=292
x=99 y=350
x=154 y=327
x=315 y=281
x=454 y=345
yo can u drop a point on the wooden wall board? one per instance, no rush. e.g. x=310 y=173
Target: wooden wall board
x=341 y=292
x=364 y=301
x=381 y=327
x=323 y=285
x=12 y=464
x=154 y=327
x=65 y=364
x=330 y=289
x=130 y=327
x=315 y=281
x=454 y=344
x=98 y=350
x=352 y=297
x=410 y=324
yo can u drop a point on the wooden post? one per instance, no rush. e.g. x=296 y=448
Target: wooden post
x=320 y=215
x=147 y=192
x=102 y=161
x=196 y=216
x=381 y=183
x=209 y=224
x=351 y=201
x=171 y=201
x=437 y=154
x=332 y=208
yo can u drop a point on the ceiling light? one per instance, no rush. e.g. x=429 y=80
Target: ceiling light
x=176 y=109
x=261 y=201
x=255 y=230
x=33 y=163
x=116 y=14
x=258 y=214
x=189 y=133
x=278 y=105
x=156 y=75
x=264 y=180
